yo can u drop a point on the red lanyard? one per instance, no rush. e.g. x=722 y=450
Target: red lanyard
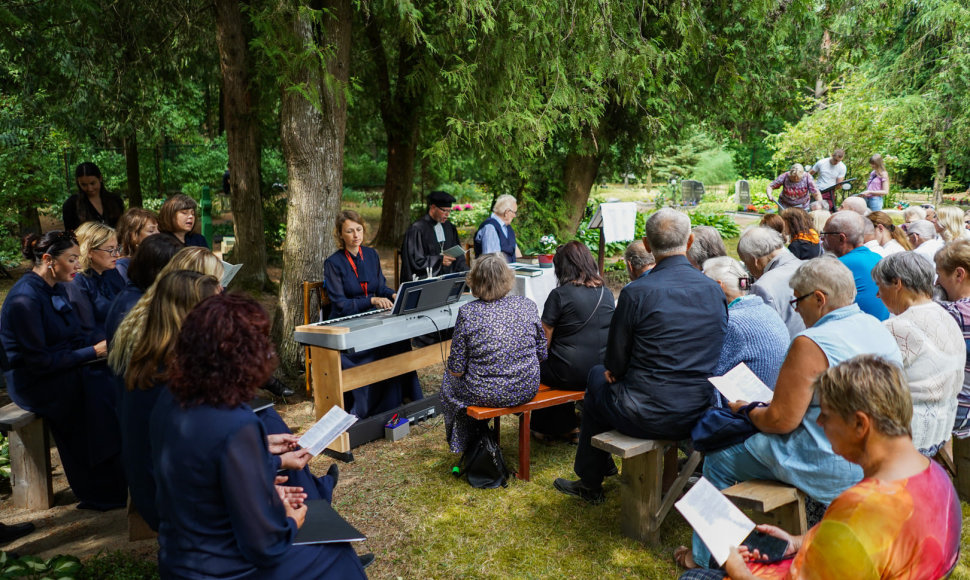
x=350 y=259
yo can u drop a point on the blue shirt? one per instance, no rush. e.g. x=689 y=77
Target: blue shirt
x=860 y=262
x=664 y=342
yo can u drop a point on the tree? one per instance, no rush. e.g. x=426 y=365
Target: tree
x=313 y=51
x=241 y=127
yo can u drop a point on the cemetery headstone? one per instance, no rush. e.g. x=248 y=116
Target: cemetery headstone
x=691 y=191
x=742 y=192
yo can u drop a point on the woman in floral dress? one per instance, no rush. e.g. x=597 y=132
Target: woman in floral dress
x=495 y=352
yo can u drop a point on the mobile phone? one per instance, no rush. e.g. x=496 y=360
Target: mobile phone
x=772 y=549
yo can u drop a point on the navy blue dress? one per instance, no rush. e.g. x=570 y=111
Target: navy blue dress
x=191 y=239
x=120 y=307
x=47 y=351
x=121 y=266
x=93 y=294
x=345 y=285
x=220 y=514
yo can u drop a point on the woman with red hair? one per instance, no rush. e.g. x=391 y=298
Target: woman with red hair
x=222 y=511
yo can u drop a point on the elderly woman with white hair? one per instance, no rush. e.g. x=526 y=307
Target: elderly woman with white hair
x=756 y=336
x=764 y=254
x=707 y=244
x=797 y=188
x=496 y=235
x=931 y=344
x=790 y=446
x=922 y=236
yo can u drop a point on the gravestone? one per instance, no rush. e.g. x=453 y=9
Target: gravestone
x=742 y=192
x=691 y=191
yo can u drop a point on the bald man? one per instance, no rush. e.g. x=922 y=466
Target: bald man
x=843 y=236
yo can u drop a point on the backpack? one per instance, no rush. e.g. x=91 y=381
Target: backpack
x=482 y=460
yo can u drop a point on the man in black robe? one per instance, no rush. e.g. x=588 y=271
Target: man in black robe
x=427 y=238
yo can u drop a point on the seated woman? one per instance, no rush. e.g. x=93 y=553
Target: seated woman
x=46 y=350
x=99 y=282
x=135 y=225
x=177 y=218
x=576 y=321
x=176 y=294
x=901 y=521
x=773 y=220
x=756 y=335
x=932 y=345
x=221 y=516
x=495 y=352
x=707 y=244
x=147 y=262
x=950 y=218
x=953 y=275
x=790 y=446
x=804 y=241
x=355 y=283
x=891 y=237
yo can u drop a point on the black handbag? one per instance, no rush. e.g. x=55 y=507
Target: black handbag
x=720 y=427
x=482 y=460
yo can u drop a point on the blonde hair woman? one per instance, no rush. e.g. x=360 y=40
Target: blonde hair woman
x=798 y=188
x=877 y=187
x=129 y=333
x=99 y=283
x=950 y=218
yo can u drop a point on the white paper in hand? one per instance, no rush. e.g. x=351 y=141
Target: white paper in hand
x=718 y=522
x=328 y=428
x=740 y=384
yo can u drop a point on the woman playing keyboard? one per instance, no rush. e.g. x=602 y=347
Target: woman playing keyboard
x=355 y=284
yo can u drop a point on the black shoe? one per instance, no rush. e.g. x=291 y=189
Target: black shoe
x=334 y=473
x=367 y=559
x=577 y=488
x=10 y=532
x=277 y=387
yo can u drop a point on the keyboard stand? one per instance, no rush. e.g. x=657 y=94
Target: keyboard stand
x=331 y=381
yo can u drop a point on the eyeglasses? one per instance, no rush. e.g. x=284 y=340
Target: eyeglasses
x=110 y=251
x=829 y=233
x=514 y=213
x=794 y=301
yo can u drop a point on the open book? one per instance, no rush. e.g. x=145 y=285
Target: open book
x=328 y=428
x=740 y=384
x=455 y=251
x=229 y=272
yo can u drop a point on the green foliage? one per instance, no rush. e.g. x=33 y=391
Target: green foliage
x=363 y=170
x=118 y=565
x=723 y=223
x=34 y=568
x=470 y=217
x=465 y=191
x=367 y=198
x=699 y=157
x=5 y=457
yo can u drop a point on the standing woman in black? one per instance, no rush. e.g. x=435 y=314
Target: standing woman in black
x=46 y=352
x=576 y=320
x=92 y=202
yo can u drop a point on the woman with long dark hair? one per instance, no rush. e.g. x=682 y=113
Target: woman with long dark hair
x=576 y=321
x=804 y=241
x=221 y=514
x=46 y=350
x=92 y=202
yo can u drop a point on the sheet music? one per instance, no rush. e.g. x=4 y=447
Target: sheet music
x=718 y=522
x=455 y=251
x=741 y=384
x=229 y=272
x=324 y=431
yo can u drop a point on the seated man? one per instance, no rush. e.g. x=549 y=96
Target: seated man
x=922 y=236
x=427 y=238
x=764 y=253
x=707 y=244
x=843 y=236
x=664 y=342
x=856 y=204
x=638 y=260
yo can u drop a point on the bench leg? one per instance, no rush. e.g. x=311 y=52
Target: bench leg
x=640 y=495
x=498 y=431
x=961 y=459
x=525 y=423
x=30 y=467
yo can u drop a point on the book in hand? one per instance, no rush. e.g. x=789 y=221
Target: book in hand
x=323 y=525
x=741 y=384
x=455 y=251
x=720 y=524
x=328 y=428
x=229 y=272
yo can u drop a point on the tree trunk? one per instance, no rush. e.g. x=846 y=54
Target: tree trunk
x=579 y=174
x=313 y=145
x=130 y=144
x=402 y=149
x=243 y=147
x=939 y=179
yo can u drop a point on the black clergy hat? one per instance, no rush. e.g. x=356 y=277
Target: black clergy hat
x=441 y=199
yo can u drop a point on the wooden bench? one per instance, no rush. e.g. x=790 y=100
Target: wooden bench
x=30 y=458
x=643 y=503
x=961 y=465
x=771 y=502
x=546 y=397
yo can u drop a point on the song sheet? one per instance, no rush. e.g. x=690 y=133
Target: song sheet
x=741 y=384
x=324 y=431
x=718 y=522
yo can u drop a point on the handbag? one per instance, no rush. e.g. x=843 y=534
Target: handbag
x=721 y=427
x=483 y=462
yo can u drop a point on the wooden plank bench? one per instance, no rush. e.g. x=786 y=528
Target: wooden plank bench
x=546 y=397
x=771 y=502
x=30 y=458
x=643 y=503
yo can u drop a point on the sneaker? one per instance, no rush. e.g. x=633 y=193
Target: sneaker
x=577 y=488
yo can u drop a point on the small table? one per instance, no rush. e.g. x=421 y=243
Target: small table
x=536 y=288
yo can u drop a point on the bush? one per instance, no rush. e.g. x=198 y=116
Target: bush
x=363 y=170
x=723 y=223
x=32 y=567
x=118 y=566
